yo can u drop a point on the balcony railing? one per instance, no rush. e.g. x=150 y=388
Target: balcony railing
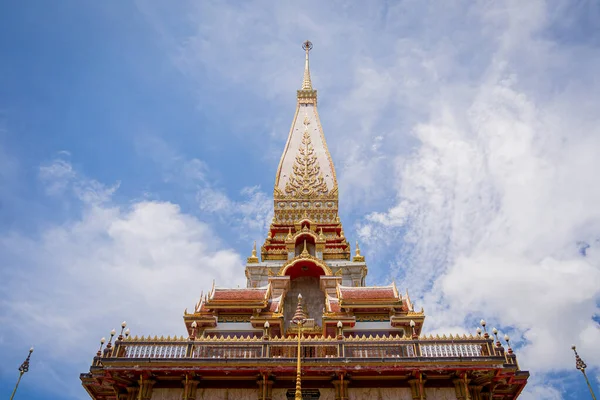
x=386 y=348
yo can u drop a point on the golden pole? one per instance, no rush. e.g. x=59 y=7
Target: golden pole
x=16 y=386
x=298 y=395
x=299 y=319
x=22 y=369
x=589 y=386
x=580 y=365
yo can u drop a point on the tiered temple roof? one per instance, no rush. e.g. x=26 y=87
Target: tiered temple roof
x=355 y=336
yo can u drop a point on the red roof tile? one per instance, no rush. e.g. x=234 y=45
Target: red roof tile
x=274 y=306
x=334 y=304
x=368 y=293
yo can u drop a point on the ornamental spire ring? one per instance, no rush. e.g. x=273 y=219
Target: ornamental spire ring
x=307 y=46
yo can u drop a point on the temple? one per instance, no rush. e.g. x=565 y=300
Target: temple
x=307 y=325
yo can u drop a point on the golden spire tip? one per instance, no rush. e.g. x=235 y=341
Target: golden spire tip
x=306 y=82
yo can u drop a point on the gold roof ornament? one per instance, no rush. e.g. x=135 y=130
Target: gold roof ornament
x=306 y=179
x=306 y=82
x=253 y=259
x=357 y=256
x=306 y=170
x=304 y=251
x=300 y=314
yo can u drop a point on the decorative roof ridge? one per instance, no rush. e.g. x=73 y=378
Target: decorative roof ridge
x=266 y=287
x=392 y=286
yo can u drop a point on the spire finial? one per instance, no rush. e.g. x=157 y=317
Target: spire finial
x=300 y=315
x=304 y=251
x=306 y=82
x=253 y=258
x=357 y=257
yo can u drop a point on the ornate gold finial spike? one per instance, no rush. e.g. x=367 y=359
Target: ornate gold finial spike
x=357 y=256
x=253 y=258
x=306 y=82
x=304 y=251
x=300 y=314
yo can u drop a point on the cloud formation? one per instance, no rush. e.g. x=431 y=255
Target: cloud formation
x=470 y=128
x=143 y=263
x=464 y=136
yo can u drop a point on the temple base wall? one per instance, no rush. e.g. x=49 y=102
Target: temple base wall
x=326 y=394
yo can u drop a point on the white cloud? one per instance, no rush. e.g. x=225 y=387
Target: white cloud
x=67 y=287
x=250 y=216
x=486 y=131
x=174 y=166
x=57 y=175
x=248 y=212
x=497 y=198
x=540 y=391
x=485 y=127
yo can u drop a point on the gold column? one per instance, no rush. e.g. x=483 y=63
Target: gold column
x=341 y=388
x=146 y=385
x=461 y=387
x=190 y=386
x=475 y=391
x=265 y=388
x=417 y=387
x=132 y=392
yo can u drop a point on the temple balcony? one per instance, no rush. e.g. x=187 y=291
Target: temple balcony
x=392 y=362
x=265 y=351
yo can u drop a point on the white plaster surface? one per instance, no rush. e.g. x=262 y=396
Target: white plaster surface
x=379 y=394
x=226 y=394
x=440 y=393
x=317 y=138
x=367 y=326
x=167 y=394
x=326 y=394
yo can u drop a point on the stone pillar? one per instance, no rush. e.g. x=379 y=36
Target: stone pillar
x=132 y=393
x=461 y=388
x=417 y=388
x=475 y=392
x=265 y=389
x=146 y=386
x=486 y=396
x=128 y=393
x=189 y=388
x=341 y=388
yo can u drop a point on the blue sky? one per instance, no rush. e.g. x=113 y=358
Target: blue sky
x=139 y=143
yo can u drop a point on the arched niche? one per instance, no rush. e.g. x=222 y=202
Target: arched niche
x=302 y=240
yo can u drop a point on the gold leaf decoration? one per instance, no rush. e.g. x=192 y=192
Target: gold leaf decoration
x=307 y=179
